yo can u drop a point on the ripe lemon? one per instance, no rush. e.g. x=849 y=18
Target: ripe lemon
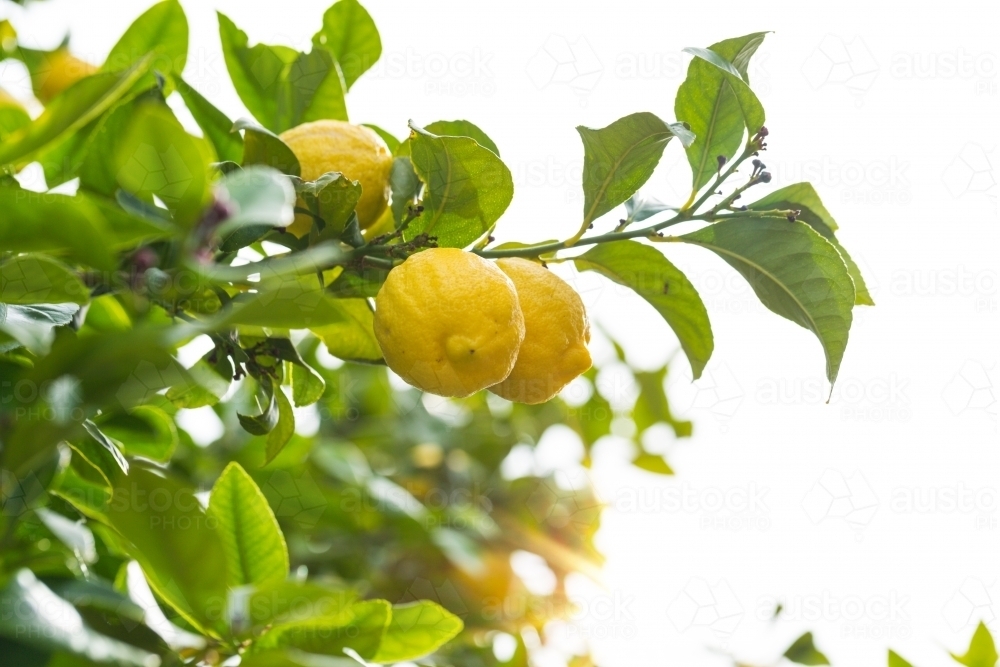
x=554 y=350
x=448 y=322
x=58 y=71
x=353 y=150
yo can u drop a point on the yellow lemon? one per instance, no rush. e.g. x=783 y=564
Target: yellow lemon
x=59 y=70
x=556 y=333
x=448 y=322
x=355 y=151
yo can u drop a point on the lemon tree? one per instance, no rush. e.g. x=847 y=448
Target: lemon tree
x=269 y=267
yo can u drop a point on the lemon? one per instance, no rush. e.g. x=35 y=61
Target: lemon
x=58 y=71
x=355 y=151
x=448 y=322
x=556 y=334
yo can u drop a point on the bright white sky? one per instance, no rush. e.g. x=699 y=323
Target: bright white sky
x=892 y=114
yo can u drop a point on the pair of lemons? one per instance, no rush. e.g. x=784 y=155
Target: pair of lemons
x=450 y=322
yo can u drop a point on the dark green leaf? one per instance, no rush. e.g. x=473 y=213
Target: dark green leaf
x=803 y=652
x=27 y=279
x=162 y=31
x=708 y=102
x=261 y=146
x=803 y=197
x=283 y=430
x=467 y=188
x=795 y=273
x=405 y=187
x=416 y=629
x=42 y=619
x=216 y=125
x=332 y=197
x=619 y=159
x=265 y=422
x=255 y=548
x=646 y=271
x=351 y=35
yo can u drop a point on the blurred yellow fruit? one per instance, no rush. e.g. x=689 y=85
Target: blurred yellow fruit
x=59 y=70
x=556 y=334
x=448 y=322
x=355 y=151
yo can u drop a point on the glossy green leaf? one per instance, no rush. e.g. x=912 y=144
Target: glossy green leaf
x=265 y=422
x=281 y=87
x=330 y=636
x=416 y=629
x=181 y=553
x=803 y=197
x=352 y=337
x=162 y=30
x=216 y=125
x=42 y=619
x=109 y=446
x=619 y=159
x=896 y=660
x=145 y=430
x=289 y=602
x=646 y=271
x=795 y=273
x=261 y=146
x=333 y=197
x=803 y=652
x=65 y=117
x=982 y=649
x=73 y=534
x=307 y=385
x=708 y=102
x=35 y=278
x=466 y=188
x=462 y=128
x=351 y=35
x=283 y=430
x=32 y=325
x=255 y=548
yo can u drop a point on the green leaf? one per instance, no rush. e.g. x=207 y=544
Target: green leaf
x=795 y=273
x=652 y=405
x=803 y=652
x=288 y=603
x=12 y=115
x=351 y=35
x=216 y=125
x=156 y=156
x=65 y=117
x=283 y=430
x=73 y=534
x=896 y=660
x=653 y=463
x=416 y=629
x=330 y=636
x=281 y=87
x=32 y=325
x=161 y=30
x=260 y=199
x=646 y=271
x=332 y=197
x=39 y=279
x=42 y=619
x=145 y=430
x=803 y=197
x=467 y=188
x=353 y=336
x=982 y=650
x=255 y=548
x=639 y=208
x=261 y=146
x=307 y=385
x=405 y=187
x=111 y=448
x=352 y=284
x=265 y=422
x=711 y=102
x=181 y=553
x=619 y=159
x=462 y=128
